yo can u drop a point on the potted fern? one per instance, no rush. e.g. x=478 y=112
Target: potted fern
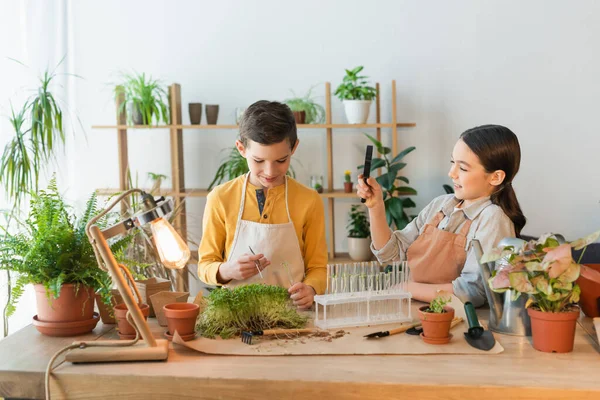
x=305 y=110
x=357 y=96
x=53 y=253
x=145 y=99
x=359 y=241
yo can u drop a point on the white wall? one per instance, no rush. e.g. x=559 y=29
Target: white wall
x=531 y=66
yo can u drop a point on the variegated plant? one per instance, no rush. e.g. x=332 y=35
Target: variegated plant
x=543 y=269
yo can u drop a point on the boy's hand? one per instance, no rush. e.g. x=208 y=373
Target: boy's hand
x=302 y=295
x=242 y=268
x=373 y=195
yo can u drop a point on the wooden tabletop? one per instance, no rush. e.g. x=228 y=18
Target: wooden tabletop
x=520 y=372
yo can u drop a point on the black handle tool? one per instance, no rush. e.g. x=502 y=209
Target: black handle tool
x=367 y=167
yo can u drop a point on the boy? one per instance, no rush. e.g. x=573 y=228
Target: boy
x=267 y=213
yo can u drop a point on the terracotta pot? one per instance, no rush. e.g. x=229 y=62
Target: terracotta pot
x=553 y=332
x=436 y=325
x=71 y=305
x=62 y=329
x=105 y=310
x=589 y=283
x=181 y=317
x=212 y=114
x=195 y=113
x=300 y=116
x=124 y=326
x=159 y=300
x=348 y=187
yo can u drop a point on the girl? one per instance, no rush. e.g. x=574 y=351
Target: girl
x=484 y=206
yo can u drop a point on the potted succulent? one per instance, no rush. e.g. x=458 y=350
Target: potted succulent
x=305 y=110
x=436 y=319
x=347 y=181
x=359 y=241
x=545 y=271
x=395 y=207
x=145 y=99
x=356 y=95
x=53 y=253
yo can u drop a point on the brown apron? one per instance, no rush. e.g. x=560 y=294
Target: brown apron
x=438 y=256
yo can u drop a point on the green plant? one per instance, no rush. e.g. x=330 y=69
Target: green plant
x=315 y=113
x=439 y=302
x=145 y=95
x=394 y=206
x=448 y=189
x=543 y=269
x=318 y=186
x=358 y=227
x=52 y=247
x=355 y=87
x=38 y=128
x=347 y=176
x=233 y=166
x=227 y=312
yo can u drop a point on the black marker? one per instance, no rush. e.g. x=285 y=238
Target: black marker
x=367 y=168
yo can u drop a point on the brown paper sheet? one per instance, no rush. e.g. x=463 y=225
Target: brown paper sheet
x=351 y=343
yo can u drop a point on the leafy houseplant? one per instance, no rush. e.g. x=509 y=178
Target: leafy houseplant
x=54 y=253
x=436 y=319
x=347 y=181
x=305 y=110
x=359 y=242
x=233 y=166
x=545 y=271
x=145 y=99
x=227 y=312
x=356 y=95
x=394 y=206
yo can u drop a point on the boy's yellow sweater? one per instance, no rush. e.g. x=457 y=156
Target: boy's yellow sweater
x=220 y=221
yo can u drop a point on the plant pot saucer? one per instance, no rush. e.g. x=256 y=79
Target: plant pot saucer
x=127 y=337
x=72 y=328
x=185 y=338
x=436 y=340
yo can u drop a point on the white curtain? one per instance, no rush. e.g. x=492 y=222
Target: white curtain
x=37 y=34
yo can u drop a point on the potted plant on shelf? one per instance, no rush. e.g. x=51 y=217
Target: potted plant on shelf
x=436 y=319
x=356 y=95
x=545 y=271
x=359 y=241
x=395 y=207
x=305 y=110
x=347 y=181
x=53 y=253
x=145 y=99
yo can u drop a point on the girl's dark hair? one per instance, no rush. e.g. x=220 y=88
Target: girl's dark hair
x=268 y=122
x=498 y=149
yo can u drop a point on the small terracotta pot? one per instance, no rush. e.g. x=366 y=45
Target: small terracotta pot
x=436 y=325
x=589 y=283
x=348 y=187
x=105 y=310
x=124 y=326
x=75 y=303
x=212 y=114
x=300 y=116
x=195 y=113
x=181 y=317
x=553 y=332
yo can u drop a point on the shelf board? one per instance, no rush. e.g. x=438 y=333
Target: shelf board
x=233 y=127
x=336 y=193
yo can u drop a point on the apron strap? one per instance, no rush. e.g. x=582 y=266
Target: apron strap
x=287 y=207
x=243 y=202
x=465 y=228
x=436 y=219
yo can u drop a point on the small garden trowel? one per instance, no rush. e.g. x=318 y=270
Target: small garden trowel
x=476 y=336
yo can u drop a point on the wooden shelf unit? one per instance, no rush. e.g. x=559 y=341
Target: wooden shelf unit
x=179 y=191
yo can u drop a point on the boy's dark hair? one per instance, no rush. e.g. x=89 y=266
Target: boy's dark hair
x=268 y=122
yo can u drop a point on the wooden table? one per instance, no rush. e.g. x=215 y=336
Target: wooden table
x=519 y=373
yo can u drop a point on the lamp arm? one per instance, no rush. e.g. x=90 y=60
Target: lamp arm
x=102 y=214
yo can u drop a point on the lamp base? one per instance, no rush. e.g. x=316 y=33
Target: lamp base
x=137 y=352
